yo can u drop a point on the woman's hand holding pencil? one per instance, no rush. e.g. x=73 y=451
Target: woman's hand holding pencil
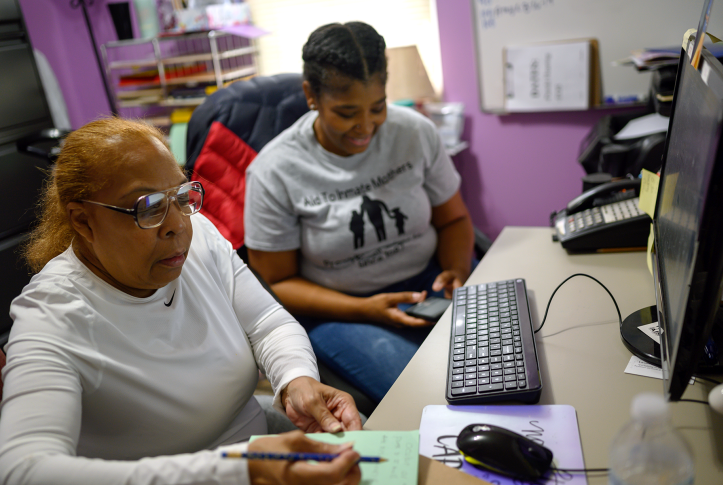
x=266 y=466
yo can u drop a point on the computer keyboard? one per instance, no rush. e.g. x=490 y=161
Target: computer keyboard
x=492 y=355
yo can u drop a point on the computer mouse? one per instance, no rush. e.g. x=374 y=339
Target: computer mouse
x=502 y=451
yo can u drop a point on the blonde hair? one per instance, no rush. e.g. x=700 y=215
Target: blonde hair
x=78 y=174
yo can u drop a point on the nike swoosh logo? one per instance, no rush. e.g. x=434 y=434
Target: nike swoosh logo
x=169 y=303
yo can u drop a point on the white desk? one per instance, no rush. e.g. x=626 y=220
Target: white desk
x=582 y=357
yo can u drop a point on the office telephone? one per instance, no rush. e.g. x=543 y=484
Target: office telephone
x=604 y=217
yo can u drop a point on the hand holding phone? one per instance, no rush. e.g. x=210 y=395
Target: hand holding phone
x=430 y=309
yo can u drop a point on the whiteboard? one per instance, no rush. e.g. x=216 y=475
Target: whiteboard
x=620 y=26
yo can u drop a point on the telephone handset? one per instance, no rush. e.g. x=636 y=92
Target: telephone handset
x=604 y=217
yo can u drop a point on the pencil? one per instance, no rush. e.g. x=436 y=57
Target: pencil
x=295 y=456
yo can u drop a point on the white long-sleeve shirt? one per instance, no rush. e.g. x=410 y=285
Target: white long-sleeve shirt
x=104 y=388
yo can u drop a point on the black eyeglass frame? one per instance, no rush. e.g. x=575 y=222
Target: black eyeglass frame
x=134 y=211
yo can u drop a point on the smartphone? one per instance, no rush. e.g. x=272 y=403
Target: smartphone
x=430 y=309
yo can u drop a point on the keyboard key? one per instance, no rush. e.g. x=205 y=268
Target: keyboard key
x=489 y=387
x=522 y=384
x=460 y=391
x=511 y=385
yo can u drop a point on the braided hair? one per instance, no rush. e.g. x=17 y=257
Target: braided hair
x=353 y=50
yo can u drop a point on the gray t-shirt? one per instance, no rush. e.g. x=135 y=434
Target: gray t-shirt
x=361 y=222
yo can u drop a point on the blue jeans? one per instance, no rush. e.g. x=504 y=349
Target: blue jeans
x=367 y=355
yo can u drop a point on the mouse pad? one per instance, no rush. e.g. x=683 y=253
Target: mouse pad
x=553 y=426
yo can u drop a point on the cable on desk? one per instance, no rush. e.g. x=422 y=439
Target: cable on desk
x=620 y=318
x=693 y=400
x=707 y=379
x=581 y=470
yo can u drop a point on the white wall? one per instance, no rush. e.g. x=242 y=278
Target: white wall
x=400 y=22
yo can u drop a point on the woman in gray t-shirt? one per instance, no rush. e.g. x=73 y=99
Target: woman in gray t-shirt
x=354 y=212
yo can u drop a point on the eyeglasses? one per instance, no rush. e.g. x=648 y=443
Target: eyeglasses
x=151 y=210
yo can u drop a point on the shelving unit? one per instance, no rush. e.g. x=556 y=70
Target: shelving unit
x=150 y=78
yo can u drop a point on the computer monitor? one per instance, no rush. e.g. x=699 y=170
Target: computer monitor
x=688 y=229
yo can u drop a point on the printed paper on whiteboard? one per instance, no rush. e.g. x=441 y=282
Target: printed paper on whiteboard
x=548 y=77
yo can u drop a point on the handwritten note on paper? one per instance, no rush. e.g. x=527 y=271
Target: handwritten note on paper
x=400 y=448
x=553 y=426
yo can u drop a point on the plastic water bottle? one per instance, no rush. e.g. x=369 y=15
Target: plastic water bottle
x=648 y=450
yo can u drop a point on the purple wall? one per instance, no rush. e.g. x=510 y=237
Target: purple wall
x=519 y=167
x=60 y=33
x=517 y=170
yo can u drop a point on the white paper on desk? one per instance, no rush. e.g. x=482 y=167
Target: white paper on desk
x=553 y=426
x=639 y=367
x=548 y=76
x=643 y=126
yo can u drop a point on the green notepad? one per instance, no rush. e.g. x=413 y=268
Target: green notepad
x=401 y=448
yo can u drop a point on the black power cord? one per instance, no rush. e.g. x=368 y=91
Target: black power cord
x=707 y=379
x=693 y=400
x=620 y=318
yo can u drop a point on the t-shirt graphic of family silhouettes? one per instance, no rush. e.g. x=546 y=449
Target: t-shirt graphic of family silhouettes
x=374 y=209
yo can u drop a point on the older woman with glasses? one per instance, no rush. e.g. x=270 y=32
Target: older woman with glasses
x=136 y=348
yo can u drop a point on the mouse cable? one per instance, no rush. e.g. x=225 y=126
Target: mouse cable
x=620 y=318
x=581 y=470
x=704 y=378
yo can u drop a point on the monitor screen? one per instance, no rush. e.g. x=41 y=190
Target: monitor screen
x=687 y=225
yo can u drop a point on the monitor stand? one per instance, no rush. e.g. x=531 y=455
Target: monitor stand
x=648 y=349
x=636 y=341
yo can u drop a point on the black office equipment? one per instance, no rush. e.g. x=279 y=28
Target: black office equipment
x=492 y=355
x=604 y=217
x=688 y=258
x=430 y=309
x=503 y=451
x=25 y=124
